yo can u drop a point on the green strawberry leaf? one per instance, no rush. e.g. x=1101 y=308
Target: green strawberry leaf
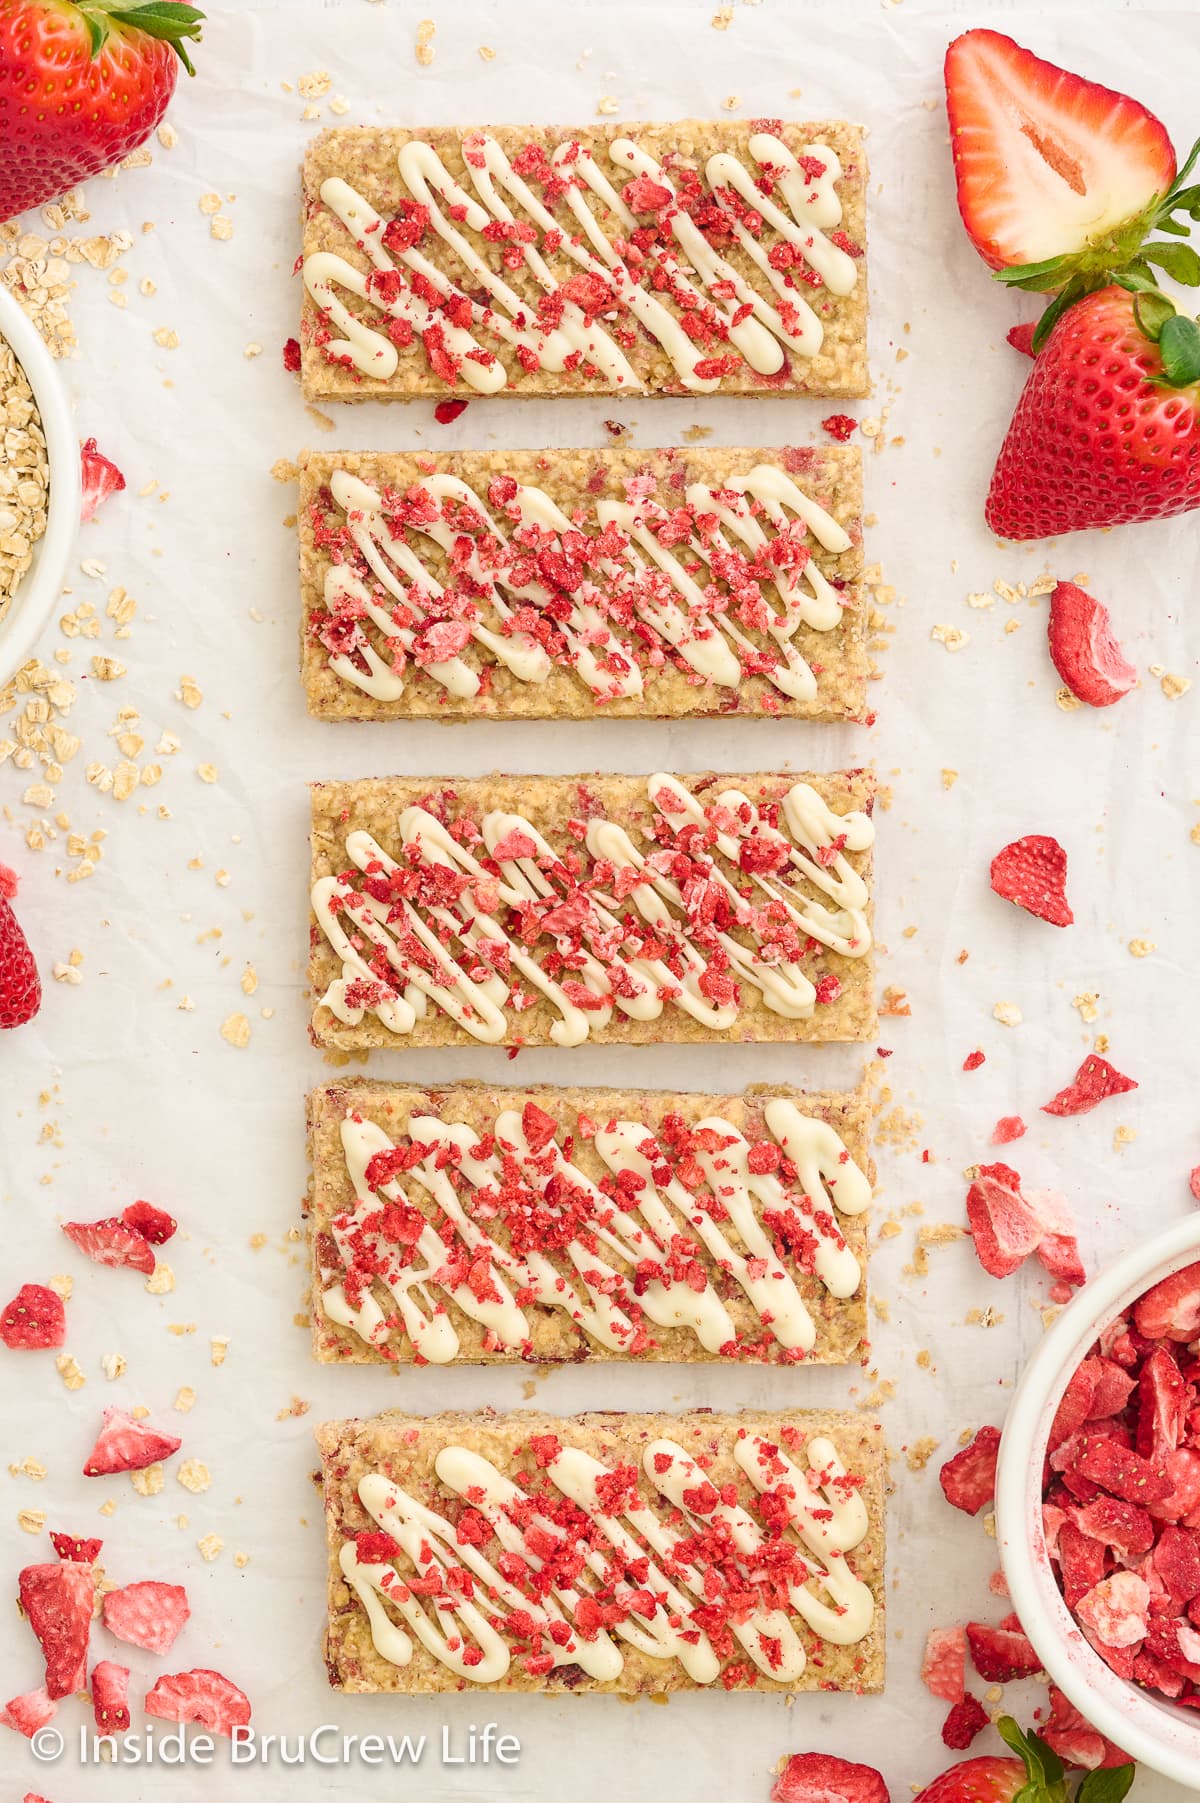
x=1179 y=260
x=1176 y=227
x=1181 y=175
x=1152 y=311
x=1044 y=1783
x=1036 y=277
x=166 y=20
x=1075 y=290
x=1137 y=279
x=1179 y=348
x=1106 y=1786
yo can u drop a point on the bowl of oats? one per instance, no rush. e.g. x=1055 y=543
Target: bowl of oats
x=39 y=485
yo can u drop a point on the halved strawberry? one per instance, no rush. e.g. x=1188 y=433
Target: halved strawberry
x=1048 y=164
x=29 y=1712
x=125 y=1444
x=1001 y=1655
x=1171 y=1309
x=110 y=1696
x=1083 y=649
x=824 y=1778
x=944 y=1664
x=112 y=1243
x=199 y=1696
x=57 y=1600
x=968 y=1479
x=34 y=1319
x=148 y=1614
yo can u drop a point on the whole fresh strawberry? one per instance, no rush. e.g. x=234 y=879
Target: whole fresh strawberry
x=1036 y=1775
x=82 y=83
x=20 y=986
x=1107 y=430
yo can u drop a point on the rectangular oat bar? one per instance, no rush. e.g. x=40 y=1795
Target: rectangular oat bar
x=538 y=910
x=626 y=1554
x=680 y=258
x=483 y=1225
x=511 y=585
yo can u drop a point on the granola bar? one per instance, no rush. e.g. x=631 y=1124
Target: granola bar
x=540 y=910
x=482 y=1225
x=681 y=258
x=627 y=1554
x=573 y=583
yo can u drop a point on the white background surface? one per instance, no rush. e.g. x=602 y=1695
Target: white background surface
x=148 y=1100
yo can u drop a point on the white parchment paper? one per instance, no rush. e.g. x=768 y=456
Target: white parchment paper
x=119 y=1089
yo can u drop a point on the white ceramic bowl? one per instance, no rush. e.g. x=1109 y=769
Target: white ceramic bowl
x=38 y=592
x=1151 y=1730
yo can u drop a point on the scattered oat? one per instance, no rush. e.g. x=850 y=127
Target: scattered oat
x=952 y=637
x=210 y=1547
x=219 y=1346
x=1141 y=948
x=148 y=1482
x=113 y=1365
x=424 y=49
x=207 y=772
x=949 y=778
x=1124 y=1136
x=185 y=1399
x=67 y=1367
x=221 y=228
x=249 y=980
x=1088 y=1004
x=24 y=475
x=167 y=338
x=235 y=1030
x=920 y=1452
x=161 y=1280
x=1008 y=1014
x=607 y=103
x=486 y=54
x=1175 y=686
x=194 y=1475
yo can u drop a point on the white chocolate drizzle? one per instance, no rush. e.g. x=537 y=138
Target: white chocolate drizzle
x=623 y=1266
x=778 y=208
x=718 y=630
x=475 y=1616
x=660 y=943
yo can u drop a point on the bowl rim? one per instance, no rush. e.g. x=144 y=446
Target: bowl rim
x=1167 y=1740
x=29 y=611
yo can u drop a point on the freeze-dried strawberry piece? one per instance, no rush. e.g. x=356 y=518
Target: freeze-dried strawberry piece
x=79 y=1552
x=1058 y=1254
x=1114 y=1612
x=1093 y=1083
x=111 y=1243
x=944 y=1664
x=1162 y=1405
x=147 y=1614
x=973 y=1060
x=1081 y=1562
x=1121 y=1471
x=1074 y=1408
x=824 y=1778
x=964 y=1722
x=110 y=1693
x=446 y=412
x=124 y=1444
x=1171 y=1309
x=1083 y=649
x=1032 y=874
x=968 y=1480
x=1008 y=1128
x=1113 y=1387
x=1005 y=1227
x=1075 y=1740
x=1000 y=1654
x=1128 y=1529
x=29 y=1712
x=1182 y=1501
x=100 y=477
x=154 y=1224
x=33 y=1320
x=538 y=1127
x=199 y=1696
x=57 y=1600
x=1176 y=1559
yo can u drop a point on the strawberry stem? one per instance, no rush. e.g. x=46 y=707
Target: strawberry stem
x=171 y=21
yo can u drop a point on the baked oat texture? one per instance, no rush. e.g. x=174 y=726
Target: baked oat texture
x=374 y=804
x=841 y=1324
x=365 y=156
x=404 y=1447
x=831 y=476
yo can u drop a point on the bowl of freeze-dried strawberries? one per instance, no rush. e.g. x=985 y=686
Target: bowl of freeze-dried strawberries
x=40 y=485
x=1098 y=1502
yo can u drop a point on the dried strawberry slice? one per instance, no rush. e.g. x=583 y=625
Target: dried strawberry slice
x=944 y=1664
x=1008 y=1128
x=1121 y=1471
x=968 y=1480
x=148 y=1614
x=1081 y=1562
x=1182 y=1501
x=112 y=1243
x=57 y=1600
x=79 y=1552
x=1124 y=1526
x=964 y=1722
x=1114 y=1613
x=199 y=1696
x=100 y=476
x=110 y=1696
x=1074 y=1409
x=1059 y=1255
x=1112 y=1389
x=1162 y=1405
x=1001 y=1655
x=124 y=1444
x=1176 y=1559
x=824 y=1778
x=1083 y=649
x=1171 y=1309
x=154 y=1224
x=1006 y=1229
x=33 y=1320
x=29 y=1712
x=1032 y=874
x=1075 y=1740
x=1093 y=1083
